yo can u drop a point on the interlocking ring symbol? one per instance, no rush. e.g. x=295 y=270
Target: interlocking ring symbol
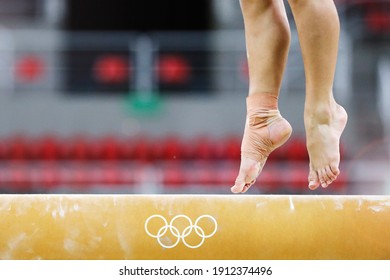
x=180 y=235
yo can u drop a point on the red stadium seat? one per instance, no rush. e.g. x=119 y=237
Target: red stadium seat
x=280 y=154
x=48 y=176
x=244 y=69
x=110 y=148
x=172 y=149
x=76 y=148
x=111 y=176
x=226 y=175
x=142 y=149
x=296 y=150
x=171 y=161
x=173 y=69
x=174 y=175
x=204 y=148
x=341 y=183
x=298 y=177
x=204 y=173
x=3 y=149
x=187 y=148
x=18 y=178
x=30 y=69
x=45 y=148
x=112 y=69
x=378 y=21
x=127 y=175
x=228 y=149
x=81 y=177
x=270 y=179
x=126 y=149
x=156 y=147
x=18 y=147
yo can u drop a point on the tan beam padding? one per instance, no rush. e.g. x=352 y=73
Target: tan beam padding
x=194 y=227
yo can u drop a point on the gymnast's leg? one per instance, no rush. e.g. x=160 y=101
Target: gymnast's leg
x=318 y=29
x=267 y=35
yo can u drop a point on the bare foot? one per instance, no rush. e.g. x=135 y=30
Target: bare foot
x=323 y=132
x=264 y=132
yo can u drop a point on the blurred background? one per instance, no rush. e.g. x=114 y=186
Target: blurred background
x=149 y=97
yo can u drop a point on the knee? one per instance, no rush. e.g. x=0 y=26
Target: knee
x=270 y=13
x=300 y=3
x=259 y=4
x=257 y=7
x=294 y=3
x=270 y=10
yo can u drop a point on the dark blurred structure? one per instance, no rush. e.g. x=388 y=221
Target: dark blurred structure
x=146 y=15
x=187 y=70
x=367 y=19
x=20 y=10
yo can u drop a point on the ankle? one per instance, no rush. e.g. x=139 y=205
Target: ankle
x=265 y=100
x=320 y=114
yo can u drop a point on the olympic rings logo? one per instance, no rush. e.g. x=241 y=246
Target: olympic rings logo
x=181 y=235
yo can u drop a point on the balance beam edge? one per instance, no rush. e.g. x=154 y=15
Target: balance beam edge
x=141 y=227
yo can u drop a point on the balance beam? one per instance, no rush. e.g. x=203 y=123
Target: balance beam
x=194 y=227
